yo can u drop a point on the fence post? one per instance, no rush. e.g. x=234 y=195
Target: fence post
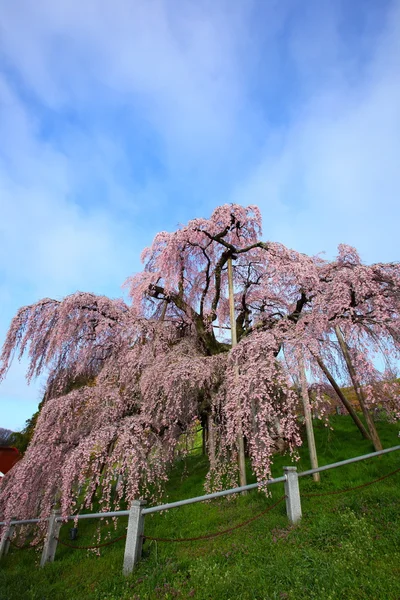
x=292 y=491
x=5 y=540
x=134 y=539
x=50 y=543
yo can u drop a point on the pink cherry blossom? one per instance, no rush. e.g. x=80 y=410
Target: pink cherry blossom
x=126 y=381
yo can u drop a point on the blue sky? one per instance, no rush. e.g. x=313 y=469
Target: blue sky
x=119 y=119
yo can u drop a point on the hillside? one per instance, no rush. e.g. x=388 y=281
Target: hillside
x=347 y=545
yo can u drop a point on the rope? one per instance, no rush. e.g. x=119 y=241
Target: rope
x=121 y=537
x=357 y=487
x=216 y=534
x=25 y=547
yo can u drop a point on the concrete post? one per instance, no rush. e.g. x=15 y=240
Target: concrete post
x=5 y=540
x=134 y=539
x=292 y=491
x=50 y=544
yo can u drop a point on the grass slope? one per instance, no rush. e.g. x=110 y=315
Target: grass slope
x=347 y=546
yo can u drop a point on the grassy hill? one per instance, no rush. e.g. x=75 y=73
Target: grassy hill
x=347 y=546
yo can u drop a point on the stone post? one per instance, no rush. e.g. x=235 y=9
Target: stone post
x=134 y=539
x=292 y=491
x=50 y=544
x=5 y=540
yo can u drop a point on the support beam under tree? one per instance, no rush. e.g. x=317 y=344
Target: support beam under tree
x=359 y=391
x=241 y=455
x=203 y=436
x=211 y=441
x=348 y=406
x=308 y=419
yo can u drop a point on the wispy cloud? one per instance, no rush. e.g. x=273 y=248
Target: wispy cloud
x=120 y=119
x=331 y=173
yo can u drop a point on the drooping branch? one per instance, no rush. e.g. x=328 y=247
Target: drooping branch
x=59 y=334
x=144 y=373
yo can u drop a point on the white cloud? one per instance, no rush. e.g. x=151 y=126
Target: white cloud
x=47 y=239
x=50 y=244
x=119 y=119
x=179 y=65
x=331 y=174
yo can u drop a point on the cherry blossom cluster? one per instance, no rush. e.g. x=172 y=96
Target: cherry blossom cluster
x=127 y=379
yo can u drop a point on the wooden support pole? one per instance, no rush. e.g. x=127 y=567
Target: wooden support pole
x=308 y=419
x=343 y=399
x=358 y=389
x=241 y=455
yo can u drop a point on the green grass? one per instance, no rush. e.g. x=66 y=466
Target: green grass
x=347 y=546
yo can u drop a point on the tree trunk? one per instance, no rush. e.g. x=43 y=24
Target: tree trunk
x=211 y=441
x=204 y=437
x=308 y=420
x=358 y=389
x=241 y=455
x=343 y=399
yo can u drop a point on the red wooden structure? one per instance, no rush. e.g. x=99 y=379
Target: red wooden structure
x=8 y=457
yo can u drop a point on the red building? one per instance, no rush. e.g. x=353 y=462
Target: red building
x=8 y=457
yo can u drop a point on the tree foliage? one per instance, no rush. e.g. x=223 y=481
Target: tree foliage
x=5 y=436
x=126 y=379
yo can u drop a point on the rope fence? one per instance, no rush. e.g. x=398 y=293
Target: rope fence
x=209 y=536
x=23 y=547
x=135 y=536
x=103 y=545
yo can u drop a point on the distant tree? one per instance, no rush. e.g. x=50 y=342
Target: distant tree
x=21 y=439
x=5 y=436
